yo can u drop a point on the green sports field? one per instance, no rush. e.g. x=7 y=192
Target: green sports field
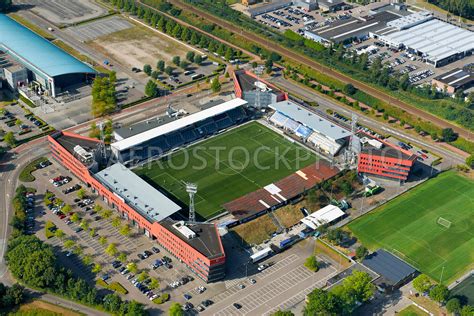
x=228 y=166
x=408 y=226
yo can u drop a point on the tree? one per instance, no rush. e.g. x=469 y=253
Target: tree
x=183 y=64
x=96 y=268
x=9 y=139
x=190 y=56
x=92 y=232
x=102 y=240
x=160 y=65
x=84 y=224
x=229 y=54
x=349 y=89
x=75 y=218
x=154 y=284
x=470 y=161
x=116 y=222
x=59 y=233
x=5 y=5
x=361 y=252
x=176 y=60
x=66 y=208
x=359 y=286
x=254 y=64
x=215 y=85
x=155 y=74
x=169 y=70
x=467 y=310
x=111 y=250
x=132 y=267
x=87 y=260
x=269 y=65
x=147 y=69
x=142 y=276
x=122 y=257
x=104 y=99
x=283 y=313
x=448 y=135
x=311 y=263
x=176 y=310
x=151 y=89
x=198 y=59
x=68 y=244
x=81 y=193
x=453 y=305
x=106 y=213
x=77 y=250
x=322 y=302
x=125 y=230
x=439 y=293
x=422 y=283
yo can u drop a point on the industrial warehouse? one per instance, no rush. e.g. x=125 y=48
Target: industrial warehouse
x=28 y=60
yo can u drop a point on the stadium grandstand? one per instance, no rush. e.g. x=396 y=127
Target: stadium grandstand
x=185 y=130
x=47 y=67
x=151 y=212
x=256 y=91
x=279 y=193
x=324 y=135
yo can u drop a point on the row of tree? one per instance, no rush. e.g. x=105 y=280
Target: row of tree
x=464 y=8
x=170 y=27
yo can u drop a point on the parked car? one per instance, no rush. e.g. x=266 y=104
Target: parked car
x=155 y=250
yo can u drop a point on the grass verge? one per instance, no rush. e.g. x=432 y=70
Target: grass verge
x=25 y=174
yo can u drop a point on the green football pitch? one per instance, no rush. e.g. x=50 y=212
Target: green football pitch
x=228 y=166
x=410 y=227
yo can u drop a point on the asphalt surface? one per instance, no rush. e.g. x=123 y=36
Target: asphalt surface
x=326 y=70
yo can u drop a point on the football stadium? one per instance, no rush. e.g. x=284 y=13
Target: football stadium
x=431 y=227
x=228 y=166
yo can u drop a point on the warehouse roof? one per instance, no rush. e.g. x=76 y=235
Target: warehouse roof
x=455 y=78
x=325 y=215
x=391 y=268
x=133 y=190
x=310 y=119
x=435 y=39
x=178 y=124
x=37 y=51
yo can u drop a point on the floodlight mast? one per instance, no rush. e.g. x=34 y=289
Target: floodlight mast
x=191 y=188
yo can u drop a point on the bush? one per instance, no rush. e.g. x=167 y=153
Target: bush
x=312 y=264
x=101 y=283
x=25 y=175
x=48 y=229
x=117 y=287
x=162 y=299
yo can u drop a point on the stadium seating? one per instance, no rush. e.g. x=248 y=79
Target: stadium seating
x=278 y=119
x=291 y=125
x=224 y=123
x=189 y=134
x=303 y=131
x=174 y=139
x=324 y=143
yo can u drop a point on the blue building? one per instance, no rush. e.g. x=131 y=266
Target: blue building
x=48 y=65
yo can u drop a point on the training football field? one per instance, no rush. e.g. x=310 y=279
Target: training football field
x=431 y=227
x=228 y=166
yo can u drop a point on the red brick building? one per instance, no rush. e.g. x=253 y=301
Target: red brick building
x=198 y=245
x=381 y=158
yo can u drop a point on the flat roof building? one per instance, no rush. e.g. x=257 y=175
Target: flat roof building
x=393 y=271
x=346 y=30
x=50 y=66
x=437 y=42
x=383 y=159
x=327 y=215
x=453 y=80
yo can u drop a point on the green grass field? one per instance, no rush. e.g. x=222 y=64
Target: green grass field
x=228 y=166
x=408 y=227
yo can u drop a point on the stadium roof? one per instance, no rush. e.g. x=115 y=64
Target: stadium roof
x=435 y=39
x=391 y=268
x=141 y=196
x=310 y=119
x=37 y=51
x=178 y=124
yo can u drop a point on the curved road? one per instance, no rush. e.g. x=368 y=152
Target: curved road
x=328 y=71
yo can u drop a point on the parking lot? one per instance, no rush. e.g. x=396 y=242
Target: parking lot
x=288 y=18
x=23 y=125
x=64 y=12
x=89 y=240
x=91 y=31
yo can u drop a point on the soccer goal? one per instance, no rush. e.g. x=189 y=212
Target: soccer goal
x=444 y=222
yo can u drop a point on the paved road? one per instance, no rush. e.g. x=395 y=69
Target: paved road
x=326 y=70
x=326 y=103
